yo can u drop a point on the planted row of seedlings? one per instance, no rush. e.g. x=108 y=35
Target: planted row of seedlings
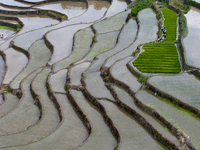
x=161 y=57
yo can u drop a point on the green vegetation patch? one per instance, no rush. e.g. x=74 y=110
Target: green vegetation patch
x=142 y=4
x=161 y=57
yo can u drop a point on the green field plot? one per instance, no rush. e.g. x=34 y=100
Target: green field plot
x=161 y=57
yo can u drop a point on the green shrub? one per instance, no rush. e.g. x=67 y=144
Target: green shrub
x=5 y=91
x=194 y=3
x=139 y=6
x=68 y=86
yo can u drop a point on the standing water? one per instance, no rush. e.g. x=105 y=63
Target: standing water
x=191 y=42
x=2 y=68
x=1 y=99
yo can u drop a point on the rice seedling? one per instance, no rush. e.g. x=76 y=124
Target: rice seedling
x=161 y=57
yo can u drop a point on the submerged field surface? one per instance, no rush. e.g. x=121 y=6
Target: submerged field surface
x=72 y=77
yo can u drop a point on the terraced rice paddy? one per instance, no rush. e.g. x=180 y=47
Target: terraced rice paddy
x=2 y=69
x=6 y=31
x=161 y=57
x=180 y=118
x=69 y=85
x=69 y=8
x=15 y=61
x=184 y=87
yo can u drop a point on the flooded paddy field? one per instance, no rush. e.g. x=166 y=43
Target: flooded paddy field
x=191 y=40
x=2 y=69
x=184 y=87
x=66 y=83
x=69 y=8
x=180 y=118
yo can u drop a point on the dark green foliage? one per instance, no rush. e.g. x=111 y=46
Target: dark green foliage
x=139 y=6
x=161 y=57
x=183 y=26
x=194 y=3
x=182 y=7
x=18 y=26
x=68 y=86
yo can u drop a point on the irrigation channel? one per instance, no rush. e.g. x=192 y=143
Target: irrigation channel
x=85 y=75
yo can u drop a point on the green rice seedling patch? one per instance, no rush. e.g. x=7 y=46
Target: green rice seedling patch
x=161 y=57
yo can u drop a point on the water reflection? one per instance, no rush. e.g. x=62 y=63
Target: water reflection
x=191 y=42
x=2 y=68
x=99 y=5
x=69 y=8
x=1 y=99
x=197 y=1
x=73 y=5
x=14 y=3
x=116 y=7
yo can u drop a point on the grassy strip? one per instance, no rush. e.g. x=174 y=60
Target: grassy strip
x=161 y=57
